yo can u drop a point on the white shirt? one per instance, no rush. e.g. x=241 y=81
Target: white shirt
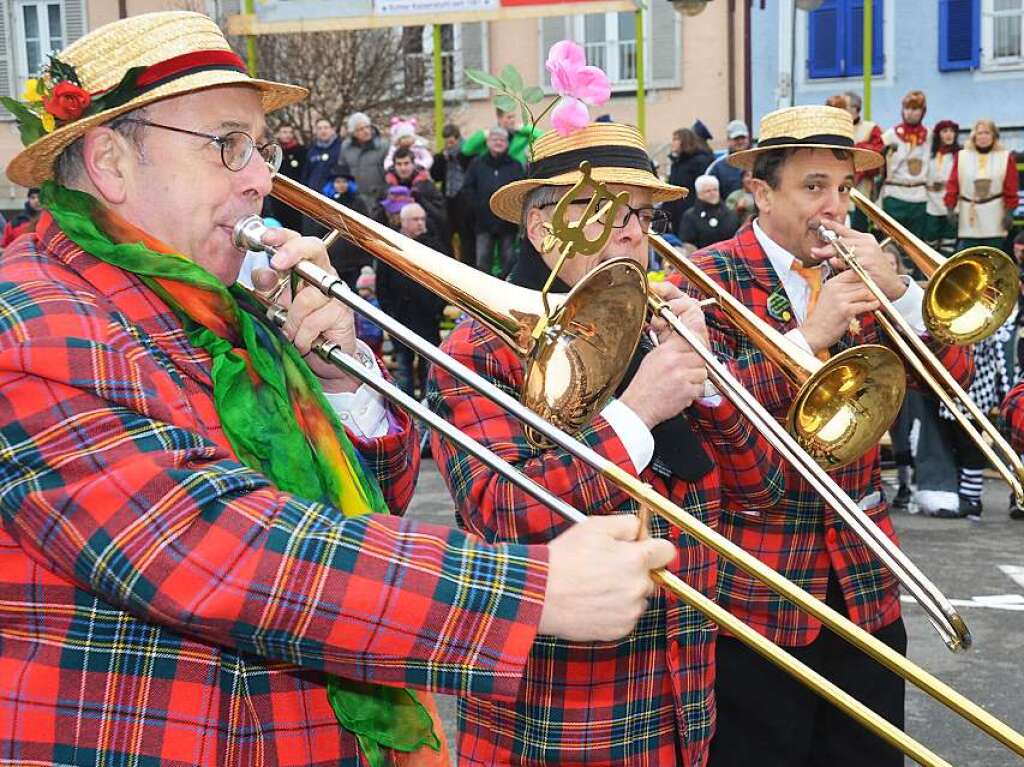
x=362 y=411
x=799 y=292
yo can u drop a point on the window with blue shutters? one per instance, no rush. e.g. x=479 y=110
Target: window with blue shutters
x=959 y=35
x=835 y=39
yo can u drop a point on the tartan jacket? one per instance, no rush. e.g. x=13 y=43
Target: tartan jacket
x=1013 y=415
x=644 y=701
x=163 y=604
x=801 y=537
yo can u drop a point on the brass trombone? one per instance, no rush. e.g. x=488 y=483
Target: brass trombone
x=251 y=239
x=852 y=388
x=405 y=254
x=969 y=283
x=969 y=295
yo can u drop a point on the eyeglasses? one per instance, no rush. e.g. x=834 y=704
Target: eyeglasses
x=652 y=220
x=236 y=147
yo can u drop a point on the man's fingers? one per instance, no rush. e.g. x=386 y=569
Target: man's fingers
x=277 y=237
x=297 y=249
x=657 y=552
x=265 y=280
x=306 y=302
x=665 y=290
x=621 y=527
x=316 y=322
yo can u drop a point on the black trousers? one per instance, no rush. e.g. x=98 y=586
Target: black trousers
x=767 y=718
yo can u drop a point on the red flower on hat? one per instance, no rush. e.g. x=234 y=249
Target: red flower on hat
x=68 y=101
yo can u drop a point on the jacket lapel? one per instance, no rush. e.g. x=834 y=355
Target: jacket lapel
x=761 y=273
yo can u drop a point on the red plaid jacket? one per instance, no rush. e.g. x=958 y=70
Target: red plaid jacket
x=800 y=537
x=163 y=604
x=645 y=701
x=1013 y=414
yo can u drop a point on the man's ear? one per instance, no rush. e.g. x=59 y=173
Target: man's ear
x=535 y=229
x=763 y=194
x=108 y=163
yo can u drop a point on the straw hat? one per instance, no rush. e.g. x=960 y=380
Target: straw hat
x=808 y=127
x=616 y=152
x=169 y=54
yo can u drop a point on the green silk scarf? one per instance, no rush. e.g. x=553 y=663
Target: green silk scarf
x=276 y=418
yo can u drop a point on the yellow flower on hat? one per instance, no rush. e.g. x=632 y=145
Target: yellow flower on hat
x=48 y=122
x=31 y=94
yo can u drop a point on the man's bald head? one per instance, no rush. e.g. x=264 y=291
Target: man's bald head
x=413 y=220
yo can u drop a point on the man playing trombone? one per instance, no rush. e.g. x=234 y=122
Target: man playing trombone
x=645 y=701
x=778 y=266
x=198 y=563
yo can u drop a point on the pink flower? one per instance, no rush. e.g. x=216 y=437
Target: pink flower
x=577 y=84
x=569 y=116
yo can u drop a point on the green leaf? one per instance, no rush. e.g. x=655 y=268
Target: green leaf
x=533 y=95
x=505 y=103
x=29 y=124
x=60 y=71
x=120 y=94
x=511 y=78
x=484 y=78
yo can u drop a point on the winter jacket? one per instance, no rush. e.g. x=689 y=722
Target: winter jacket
x=293 y=165
x=320 y=160
x=683 y=172
x=409 y=302
x=367 y=164
x=704 y=224
x=486 y=175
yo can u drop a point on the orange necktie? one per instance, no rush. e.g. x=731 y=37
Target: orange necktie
x=812 y=276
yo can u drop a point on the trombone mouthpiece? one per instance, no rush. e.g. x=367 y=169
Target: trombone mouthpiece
x=248 y=233
x=827 y=234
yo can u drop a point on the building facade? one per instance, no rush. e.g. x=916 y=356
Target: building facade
x=688 y=59
x=966 y=55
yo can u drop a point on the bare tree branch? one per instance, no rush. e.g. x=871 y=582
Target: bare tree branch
x=381 y=72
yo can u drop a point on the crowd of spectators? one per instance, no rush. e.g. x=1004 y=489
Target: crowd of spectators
x=954 y=188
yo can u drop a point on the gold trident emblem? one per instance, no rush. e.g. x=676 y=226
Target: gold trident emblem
x=569 y=237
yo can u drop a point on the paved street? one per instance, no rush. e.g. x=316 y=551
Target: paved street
x=981 y=564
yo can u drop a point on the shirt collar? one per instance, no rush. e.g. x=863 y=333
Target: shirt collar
x=780 y=258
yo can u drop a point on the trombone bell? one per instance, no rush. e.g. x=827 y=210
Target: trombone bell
x=576 y=364
x=846 y=406
x=970 y=296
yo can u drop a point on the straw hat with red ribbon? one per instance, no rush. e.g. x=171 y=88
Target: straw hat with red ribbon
x=120 y=67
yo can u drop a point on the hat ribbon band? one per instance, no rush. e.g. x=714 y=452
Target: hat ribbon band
x=163 y=72
x=598 y=157
x=840 y=142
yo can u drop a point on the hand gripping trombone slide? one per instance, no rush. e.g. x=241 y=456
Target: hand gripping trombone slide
x=334 y=287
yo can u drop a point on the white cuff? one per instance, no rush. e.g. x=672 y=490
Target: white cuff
x=909 y=305
x=797 y=337
x=363 y=411
x=710 y=398
x=634 y=434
